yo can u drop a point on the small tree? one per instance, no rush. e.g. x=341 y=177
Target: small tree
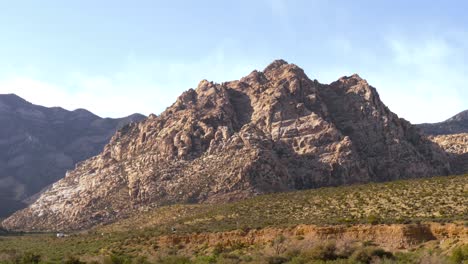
x=324 y=251
x=73 y=260
x=278 y=244
x=459 y=255
x=373 y=219
x=30 y=258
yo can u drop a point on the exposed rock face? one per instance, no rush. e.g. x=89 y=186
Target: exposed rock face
x=38 y=145
x=271 y=131
x=452 y=136
x=457 y=146
x=455 y=125
x=390 y=237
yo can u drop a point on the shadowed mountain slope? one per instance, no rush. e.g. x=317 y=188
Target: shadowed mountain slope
x=39 y=144
x=454 y=125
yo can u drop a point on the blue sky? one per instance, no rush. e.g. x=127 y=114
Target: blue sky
x=119 y=57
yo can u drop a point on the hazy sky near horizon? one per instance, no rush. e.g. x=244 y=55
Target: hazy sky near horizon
x=118 y=57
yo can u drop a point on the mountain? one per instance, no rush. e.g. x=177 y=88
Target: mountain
x=457 y=147
x=454 y=125
x=452 y=136
x=273 y=130
x=38 y=145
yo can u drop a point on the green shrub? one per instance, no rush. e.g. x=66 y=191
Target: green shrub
x=174 y=260
x=459 y=255
x=366 y=255
x=326 y=251
x=218 y=249
x=246 y=258
x=206 y=259
x=30 y=258
x=237 y=245
x=229 y=258
x=298 y=260
x=277 y=260
x=141 y=260
x=373 y=219
x=116 y=259
x=73 y=260
x=278 y=244
x=293 y=253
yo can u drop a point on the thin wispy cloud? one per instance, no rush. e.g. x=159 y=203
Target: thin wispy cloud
x=424 y=79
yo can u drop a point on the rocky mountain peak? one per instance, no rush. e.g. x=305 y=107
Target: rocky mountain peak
x=13 y=98
x=462 y=116
x=276 y=64
x=454 y=125
x=12 y=101
x=354 y=81
x=83 y=113
x=273 y=130
x=280 y=69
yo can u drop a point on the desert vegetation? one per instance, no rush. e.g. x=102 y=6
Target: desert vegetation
x=326 y=253
x=437 y=199
x=175 y=234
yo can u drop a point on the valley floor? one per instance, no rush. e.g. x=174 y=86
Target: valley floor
x=411 y=221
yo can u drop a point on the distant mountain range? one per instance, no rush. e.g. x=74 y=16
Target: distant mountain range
x=39 y=144
x=455 y=125
x=271 y=131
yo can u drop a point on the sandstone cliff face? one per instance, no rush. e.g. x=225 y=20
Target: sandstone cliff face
x=452 y=136
x=274 y=130
x=38 y=145
x=457 y=146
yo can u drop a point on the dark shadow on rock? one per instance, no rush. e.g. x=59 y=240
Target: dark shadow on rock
x=417 y=234
x=242 y=106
